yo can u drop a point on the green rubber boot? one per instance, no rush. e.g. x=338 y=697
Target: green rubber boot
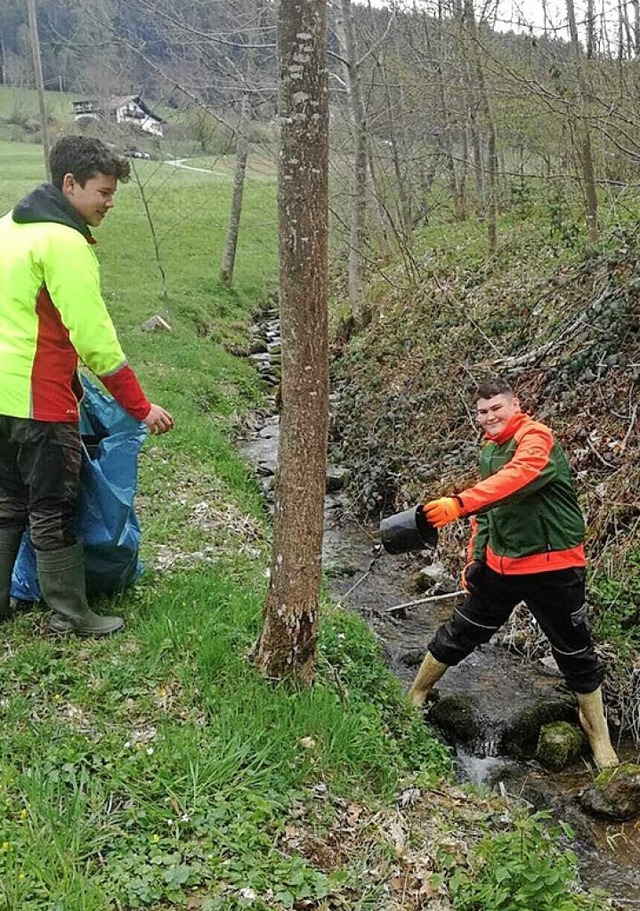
x=9 y=546
x=62 y=583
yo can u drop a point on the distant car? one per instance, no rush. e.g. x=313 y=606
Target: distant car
x=134 y=153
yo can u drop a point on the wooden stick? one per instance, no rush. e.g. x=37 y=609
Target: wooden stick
x=387 y=610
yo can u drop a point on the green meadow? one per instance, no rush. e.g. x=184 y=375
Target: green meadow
x=157 y=770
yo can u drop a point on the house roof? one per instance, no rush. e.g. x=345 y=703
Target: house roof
x=118 y=101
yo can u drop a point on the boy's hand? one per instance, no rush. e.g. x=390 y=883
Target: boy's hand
x=472 y=575
x=158 y=420
x=441 y=512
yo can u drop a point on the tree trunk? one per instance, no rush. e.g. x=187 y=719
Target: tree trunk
x=346 y=35
x=471 y=107
x=590 y=21
x=445 y=116
x=37 y=68
x=491 y=203
x=636 y=27
x=287 y=644
x=585 y=152
x=233 y=228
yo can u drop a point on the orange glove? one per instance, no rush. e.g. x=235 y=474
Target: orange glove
x=441 y=512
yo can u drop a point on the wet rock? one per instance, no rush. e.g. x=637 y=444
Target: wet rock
x=615 y=794
x=337 y=478
x=520 y=737
x=412 y=657
x=457 y=718
x=335 y=567
x=549 y=666
x=428 y=576
x=266 y=468
x=559 y=744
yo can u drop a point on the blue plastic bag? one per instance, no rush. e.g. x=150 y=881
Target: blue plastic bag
x=107 y=523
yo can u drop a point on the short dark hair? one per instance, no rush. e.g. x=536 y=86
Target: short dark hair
x=85 y=157
x=491 y=386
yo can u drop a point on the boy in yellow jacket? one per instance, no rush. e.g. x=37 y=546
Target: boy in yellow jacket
x=52 y=314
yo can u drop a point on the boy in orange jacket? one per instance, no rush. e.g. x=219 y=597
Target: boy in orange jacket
x=527 y=544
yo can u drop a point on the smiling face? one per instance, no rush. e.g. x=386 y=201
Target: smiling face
x=93 y=200
x=495 y=413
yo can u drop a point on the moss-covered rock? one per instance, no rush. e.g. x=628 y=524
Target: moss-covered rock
x=559 y=744
x=615 y=794
x=521 y=735
x=457 y=717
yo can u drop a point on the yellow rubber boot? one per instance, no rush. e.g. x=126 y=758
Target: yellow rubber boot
x=428 y=675
x=591 y=714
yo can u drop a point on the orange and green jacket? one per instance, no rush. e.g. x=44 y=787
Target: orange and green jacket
x=52 y=312
x=526 y=517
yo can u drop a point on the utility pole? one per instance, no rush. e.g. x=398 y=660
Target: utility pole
x=37 y=66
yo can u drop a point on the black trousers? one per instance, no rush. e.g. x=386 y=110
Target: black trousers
x=39 y=479
x=557 y=601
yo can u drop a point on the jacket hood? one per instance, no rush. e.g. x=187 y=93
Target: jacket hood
x=48 y=203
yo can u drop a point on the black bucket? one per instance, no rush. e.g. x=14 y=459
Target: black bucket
x=407 y=531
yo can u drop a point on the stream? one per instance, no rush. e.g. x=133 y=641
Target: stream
x=369 y=581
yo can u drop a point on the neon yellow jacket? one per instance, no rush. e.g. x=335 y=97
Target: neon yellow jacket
x=52 y=312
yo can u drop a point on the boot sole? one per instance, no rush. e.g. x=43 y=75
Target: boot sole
x=67 y=629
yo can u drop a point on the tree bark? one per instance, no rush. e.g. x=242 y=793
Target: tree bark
x=445 y=116
x=287 y=644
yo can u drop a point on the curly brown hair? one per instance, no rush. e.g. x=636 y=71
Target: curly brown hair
x=85 y=157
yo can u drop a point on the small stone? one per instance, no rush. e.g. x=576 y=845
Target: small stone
x=409 y=797
x=549 y=666
x=156 y=322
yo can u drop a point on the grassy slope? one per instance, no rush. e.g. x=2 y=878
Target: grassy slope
x=156 y=770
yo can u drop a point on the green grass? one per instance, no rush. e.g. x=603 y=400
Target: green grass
x=16 y=100
x=158 y=767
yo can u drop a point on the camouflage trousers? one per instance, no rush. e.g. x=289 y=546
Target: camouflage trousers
x=39 y=479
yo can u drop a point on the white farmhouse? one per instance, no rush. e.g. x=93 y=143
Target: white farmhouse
x=125 y=109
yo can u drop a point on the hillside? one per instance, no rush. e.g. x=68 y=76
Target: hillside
x=563 y=327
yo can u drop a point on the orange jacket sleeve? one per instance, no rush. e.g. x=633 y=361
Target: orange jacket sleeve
x=528 y=470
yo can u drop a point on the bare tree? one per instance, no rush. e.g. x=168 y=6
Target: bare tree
x=491 y=204
x=585 y=151
x=242 y=152
x=358 y=211
x=287 y=644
